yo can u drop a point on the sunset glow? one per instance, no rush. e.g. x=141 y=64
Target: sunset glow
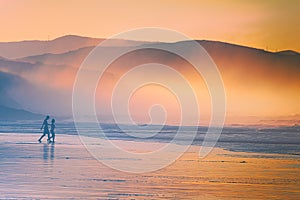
x=149 y=99
x=264 y=25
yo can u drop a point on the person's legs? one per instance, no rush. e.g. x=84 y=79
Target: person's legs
x=41 y=138
x=48 y=134
x=53 y=137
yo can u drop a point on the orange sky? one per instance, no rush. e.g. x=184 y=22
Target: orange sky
x=270 y=24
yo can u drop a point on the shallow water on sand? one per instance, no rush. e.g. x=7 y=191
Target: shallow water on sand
x=65 y=170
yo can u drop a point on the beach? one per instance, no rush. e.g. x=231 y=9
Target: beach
x=66 y=170
x=159 y=100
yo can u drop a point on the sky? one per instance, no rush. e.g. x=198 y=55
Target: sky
x=271 y=25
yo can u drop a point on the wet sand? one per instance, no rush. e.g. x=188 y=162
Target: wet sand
x=65 y=170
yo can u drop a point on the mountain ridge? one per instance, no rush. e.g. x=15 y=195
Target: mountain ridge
x=19 y=49
x=63 y=44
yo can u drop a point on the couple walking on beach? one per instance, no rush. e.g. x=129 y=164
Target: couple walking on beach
x=46 y=131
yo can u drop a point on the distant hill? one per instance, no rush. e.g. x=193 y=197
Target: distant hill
x=288 y=52
x=7 y=83
x=74 y=57
x=13 y=50
x=9 y=108
x=8 y=114
x=63 y=44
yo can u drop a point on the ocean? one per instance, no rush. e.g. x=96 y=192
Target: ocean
x=275 y=140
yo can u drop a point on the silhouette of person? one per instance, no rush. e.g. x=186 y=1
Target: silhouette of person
x=45 y=126
x=52 y=127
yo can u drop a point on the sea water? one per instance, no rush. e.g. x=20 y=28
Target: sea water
x=278 y=140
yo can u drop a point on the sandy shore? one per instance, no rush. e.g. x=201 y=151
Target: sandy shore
x=66 y=170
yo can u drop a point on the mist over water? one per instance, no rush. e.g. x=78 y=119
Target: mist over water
x=255 y=84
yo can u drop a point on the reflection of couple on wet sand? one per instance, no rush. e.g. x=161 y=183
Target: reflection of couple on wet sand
x=46 y=131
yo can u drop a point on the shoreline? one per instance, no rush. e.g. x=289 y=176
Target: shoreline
x=232 y=146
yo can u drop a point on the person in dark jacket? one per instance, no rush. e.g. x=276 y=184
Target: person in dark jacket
x=45 y=126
